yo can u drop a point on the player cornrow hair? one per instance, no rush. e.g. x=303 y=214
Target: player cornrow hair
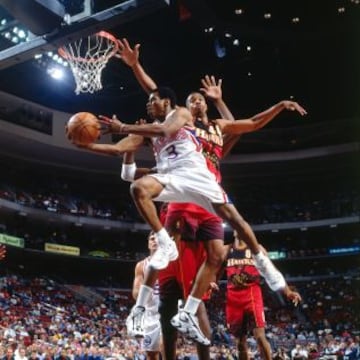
x=166 y=93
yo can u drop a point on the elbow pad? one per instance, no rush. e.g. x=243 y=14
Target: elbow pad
x=278 y=282
x=128 y=172
x=273 y=277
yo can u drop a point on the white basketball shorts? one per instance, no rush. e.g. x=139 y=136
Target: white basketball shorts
x=191 y=185
x=152 y=337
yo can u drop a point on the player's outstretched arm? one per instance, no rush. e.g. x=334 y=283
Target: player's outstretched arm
x=212 y=89
x=127 y=144
x=258 y=121
x=291 y=295
x=138 y=279
x=174 y=122
x=130 y=56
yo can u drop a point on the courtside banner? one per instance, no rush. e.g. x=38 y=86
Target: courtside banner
x=11 y=240
x=62 y=249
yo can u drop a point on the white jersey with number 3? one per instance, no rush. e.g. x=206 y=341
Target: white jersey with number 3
x=181 y=149
x=183 y=172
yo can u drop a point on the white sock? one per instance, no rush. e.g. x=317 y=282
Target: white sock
x=192 y=305
x=163 y=237
x=144 y=295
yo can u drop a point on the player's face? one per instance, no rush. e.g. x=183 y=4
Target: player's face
x=237 y=241
x=152 y=244
x=196 y=104
x=155 y=106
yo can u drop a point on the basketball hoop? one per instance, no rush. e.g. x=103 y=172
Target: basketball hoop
x=87 y=59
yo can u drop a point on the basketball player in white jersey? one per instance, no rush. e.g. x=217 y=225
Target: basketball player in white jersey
x=193 y=219
x=182 y=176
x=151 y=322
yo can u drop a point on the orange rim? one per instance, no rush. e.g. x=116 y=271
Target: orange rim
x=67 y=56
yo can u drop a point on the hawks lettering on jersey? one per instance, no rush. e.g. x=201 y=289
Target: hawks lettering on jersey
x=240 y=269
x=211 y=139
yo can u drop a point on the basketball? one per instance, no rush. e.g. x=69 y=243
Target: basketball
x=83 y=128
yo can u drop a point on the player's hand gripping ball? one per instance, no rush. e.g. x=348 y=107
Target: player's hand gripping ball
x=83 y=128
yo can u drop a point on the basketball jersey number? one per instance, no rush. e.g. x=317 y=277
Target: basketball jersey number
x=171 y=150
x=247 y=254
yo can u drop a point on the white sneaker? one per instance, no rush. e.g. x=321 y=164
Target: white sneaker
x=163 y=255
x=135 y=322
x=188 y=324
x=160 y=258
x=272 y=276
x=180 y=305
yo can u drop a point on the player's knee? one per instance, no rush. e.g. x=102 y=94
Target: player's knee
x=137 y=190
x=216 y=254
x=215 y=260
x=259 y=334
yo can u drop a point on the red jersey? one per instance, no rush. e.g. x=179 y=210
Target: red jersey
x=240 y=270
x=211 y=139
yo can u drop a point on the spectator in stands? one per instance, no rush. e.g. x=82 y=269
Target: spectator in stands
x=9 y=355
x=20 y=354
x=299 y=352
x=352 y=349
x=281 y=354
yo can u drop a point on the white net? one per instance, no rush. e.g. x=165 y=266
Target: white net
x=87 y=59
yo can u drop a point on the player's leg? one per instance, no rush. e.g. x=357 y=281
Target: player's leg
x=143 y=191
x=229 y=213
x=185 y=224
x=136 y=320
x=192 y=320
x=195 y=254
x=151 y=343
x=152 y=355
x=203 y=351
x=170 y=292
x=237 y=318
x=265 y=266
x=216 y=252
x=264 y=345
x=256 y=309
x=243 y=351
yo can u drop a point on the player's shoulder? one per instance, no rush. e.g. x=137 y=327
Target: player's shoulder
x=181 y=110
x=185 y=114
x=140 y=265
